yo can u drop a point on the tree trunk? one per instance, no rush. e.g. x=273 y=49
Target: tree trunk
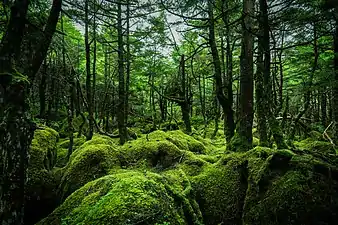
x=88 y=73
x=185 y=106
x=18 y=130
x=271 y=102
x=323 y=108
x=307 y=95
x=242 y=141
x=335 y=82
x=127 y=61
x=42 y=91
x=121 y=104
x=222 y=98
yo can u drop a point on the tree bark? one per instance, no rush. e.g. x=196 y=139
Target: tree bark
x=15 y=126
x=88 y=73
x=242 y=141
x=122 y=97
x=265 y=44
x=222 y=98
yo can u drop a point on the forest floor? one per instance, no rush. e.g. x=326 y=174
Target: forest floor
x=168 y=177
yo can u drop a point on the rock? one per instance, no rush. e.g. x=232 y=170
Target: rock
x=125 y=198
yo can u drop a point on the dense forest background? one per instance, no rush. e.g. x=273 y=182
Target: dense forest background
x=239 y=73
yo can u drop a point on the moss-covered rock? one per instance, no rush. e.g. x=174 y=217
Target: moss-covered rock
x=180 y=139
x=125 y=198
x=266 y=186
x=291 y=189
x=220 y=190
x=41 y=185
x=62 y=150
x=157 y=154
x=315 y=147
x=94 y=159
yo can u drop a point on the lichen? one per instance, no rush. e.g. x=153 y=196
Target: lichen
x=125 y=198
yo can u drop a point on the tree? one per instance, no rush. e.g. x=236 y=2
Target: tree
x=15 y=122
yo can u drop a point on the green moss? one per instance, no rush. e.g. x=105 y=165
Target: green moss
x=180 y=139
x=317 y=147
x=289 y=193
x=62 y=151
x=41 y=186
x=220 y=190
x=238 y=144
x=158 y=154
x=126 y=198
x=255 y=142
x=192 y=164
x=90 y=161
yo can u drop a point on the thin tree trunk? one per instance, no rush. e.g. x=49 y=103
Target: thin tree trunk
x=222 y=98
x=335 y=82
x=127 y=61
x=42 y=91
x=185 y=106
x=307 y=96
x=121 y=108
x=271 y=102
x=88 y=73
x=323 y=101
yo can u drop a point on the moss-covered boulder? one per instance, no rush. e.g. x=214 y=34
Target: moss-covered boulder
x=155 y=154
x=316 y=147
x=220 y=190
x=125 y=198
x=180 y=139
x=94 y=159
x=62 y=150
x=41 y=185
x=266 y=186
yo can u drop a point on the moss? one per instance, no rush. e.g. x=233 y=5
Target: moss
x=317 y=136
x=239 y=144
x=316 y=147
x=180 y=139
x=220 y=190
x=126 y=198
x=291 y=196
x=41 y=185
x=192 y=164
x=62 y=150
x=255 y=142
x=90 y=161
x=158 y=154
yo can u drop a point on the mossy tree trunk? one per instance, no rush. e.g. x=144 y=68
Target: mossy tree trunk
x=242 y=140
x=15 y=126
x=42 y=91
x=264 y=40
